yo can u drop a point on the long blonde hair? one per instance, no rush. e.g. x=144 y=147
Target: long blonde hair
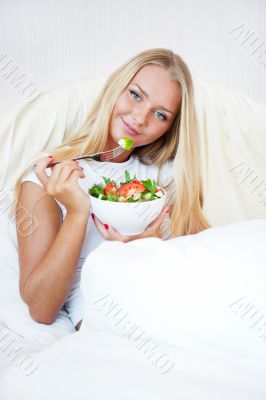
x=180 y=142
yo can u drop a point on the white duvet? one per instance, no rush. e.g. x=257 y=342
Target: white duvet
x=178 y=319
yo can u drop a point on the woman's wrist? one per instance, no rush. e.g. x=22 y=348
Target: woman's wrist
x=127 y=239
x=78 y=216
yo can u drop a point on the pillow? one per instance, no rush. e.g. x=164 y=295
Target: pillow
x=188 y=289
x=232 y=140
x=42 y=125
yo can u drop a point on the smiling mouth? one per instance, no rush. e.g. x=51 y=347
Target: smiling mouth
x=130 y=130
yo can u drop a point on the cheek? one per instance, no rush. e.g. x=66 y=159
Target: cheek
x=157 y=134
x=122 y=105
x=157 y=129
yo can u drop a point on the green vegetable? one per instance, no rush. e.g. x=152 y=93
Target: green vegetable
x=125 y=143
x=96 y=190
x=111 y=198
x=128 y=179
x=108 y=180
x=150 y=185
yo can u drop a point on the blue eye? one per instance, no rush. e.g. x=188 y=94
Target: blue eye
x=161 y=116
x=134 y=94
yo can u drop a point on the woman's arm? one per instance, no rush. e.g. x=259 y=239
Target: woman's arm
x=49 y=256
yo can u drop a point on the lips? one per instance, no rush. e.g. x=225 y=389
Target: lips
x=130 y=129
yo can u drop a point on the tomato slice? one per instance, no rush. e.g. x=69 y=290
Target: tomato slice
x=110 y=189
x=128 y=189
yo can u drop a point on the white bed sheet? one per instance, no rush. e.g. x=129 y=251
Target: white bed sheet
x=100 y=366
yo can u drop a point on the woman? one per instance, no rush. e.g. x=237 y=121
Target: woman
x=149 y=98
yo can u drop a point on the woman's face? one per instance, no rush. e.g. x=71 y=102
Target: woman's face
x=146 y=108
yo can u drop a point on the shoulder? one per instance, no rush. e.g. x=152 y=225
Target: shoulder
x=31 y=177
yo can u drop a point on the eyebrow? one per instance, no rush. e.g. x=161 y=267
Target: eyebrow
x=145 y=94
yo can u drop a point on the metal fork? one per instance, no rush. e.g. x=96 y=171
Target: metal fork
x=102 y=156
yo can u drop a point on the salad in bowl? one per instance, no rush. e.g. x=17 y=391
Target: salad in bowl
x=129 y=191
x=128 y=206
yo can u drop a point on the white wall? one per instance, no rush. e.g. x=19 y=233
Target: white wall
x=61 y=42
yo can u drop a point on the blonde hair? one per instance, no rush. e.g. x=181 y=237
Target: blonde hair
x=180 y=142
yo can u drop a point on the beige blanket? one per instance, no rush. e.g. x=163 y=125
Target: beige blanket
x=232 y=134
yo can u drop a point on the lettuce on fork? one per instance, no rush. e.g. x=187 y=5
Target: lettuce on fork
x=126 y=143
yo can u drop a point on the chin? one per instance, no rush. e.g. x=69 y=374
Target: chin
x=114 y=138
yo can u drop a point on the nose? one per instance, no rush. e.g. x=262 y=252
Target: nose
x=141 y=114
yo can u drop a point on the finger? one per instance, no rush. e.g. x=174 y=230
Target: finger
x=73 y=178
x=154 y=225
x=67 y=170
x=100 y=226
x=57 y=169
x=39 y=169
x=108 y=232
x=157 y=222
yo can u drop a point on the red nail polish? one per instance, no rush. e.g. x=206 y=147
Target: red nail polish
x=106 y=226
x=92 y=216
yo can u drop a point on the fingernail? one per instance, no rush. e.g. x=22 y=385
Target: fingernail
x=167 y=210
x=106 y=226
x=50 y=157
x=92 y=216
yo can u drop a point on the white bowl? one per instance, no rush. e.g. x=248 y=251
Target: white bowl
x=127 y=218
